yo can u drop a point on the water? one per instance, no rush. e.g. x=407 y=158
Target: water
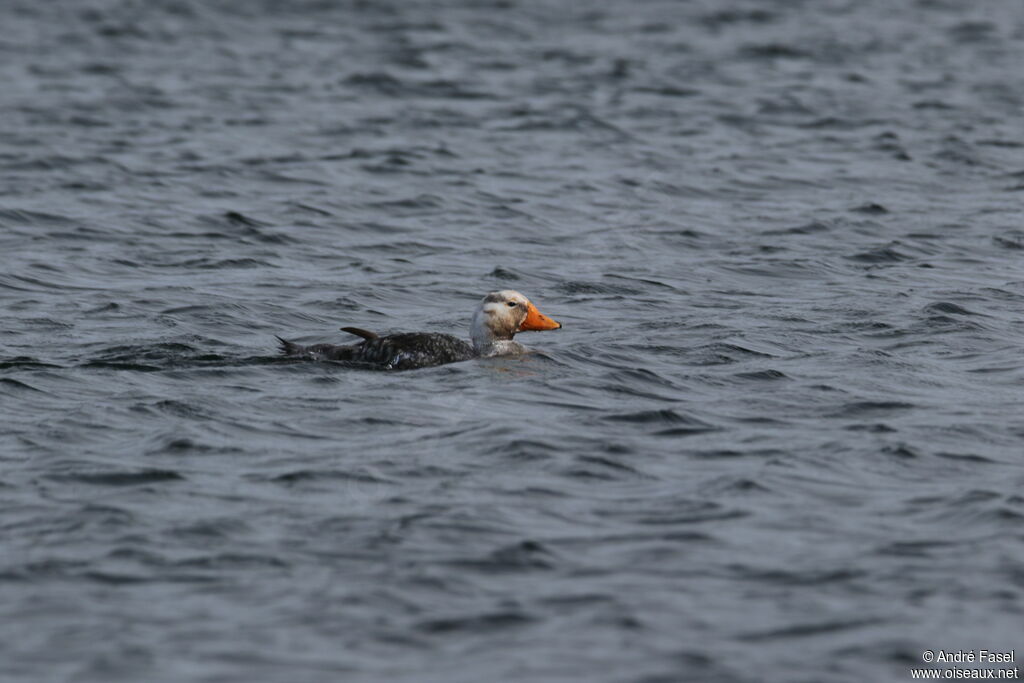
x=778 y=439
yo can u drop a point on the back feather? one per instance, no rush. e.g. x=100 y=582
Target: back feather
x=365 y=334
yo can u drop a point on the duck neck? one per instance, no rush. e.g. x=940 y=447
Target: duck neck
x=486 y=340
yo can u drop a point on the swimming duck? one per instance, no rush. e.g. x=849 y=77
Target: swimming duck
x=496 y=321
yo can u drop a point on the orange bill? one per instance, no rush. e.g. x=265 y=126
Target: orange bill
x=535 y=320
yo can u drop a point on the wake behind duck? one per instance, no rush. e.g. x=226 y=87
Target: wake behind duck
x=496 y=321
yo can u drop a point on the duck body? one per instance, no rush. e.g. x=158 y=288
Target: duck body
x=497 y=319
x=400 y=351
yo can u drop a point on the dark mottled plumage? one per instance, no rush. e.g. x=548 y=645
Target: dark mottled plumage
x=402 y=351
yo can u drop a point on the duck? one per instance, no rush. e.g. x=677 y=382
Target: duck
x=497 y=319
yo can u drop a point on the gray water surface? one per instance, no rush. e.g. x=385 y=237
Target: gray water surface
x=779 y=437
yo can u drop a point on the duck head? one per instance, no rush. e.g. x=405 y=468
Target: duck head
x=502 y=314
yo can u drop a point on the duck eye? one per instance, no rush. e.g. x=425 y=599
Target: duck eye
x=512 y=304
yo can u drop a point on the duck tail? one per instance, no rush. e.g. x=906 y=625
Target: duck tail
x=290 y=348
